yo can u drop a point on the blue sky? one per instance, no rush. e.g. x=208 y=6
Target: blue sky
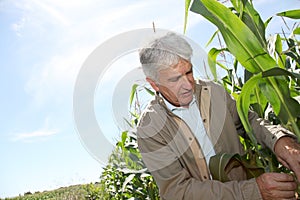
x=43 y=46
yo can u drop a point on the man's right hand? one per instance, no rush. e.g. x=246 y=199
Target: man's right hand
x=275 y=186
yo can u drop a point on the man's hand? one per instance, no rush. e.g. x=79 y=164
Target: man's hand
x=287 y=151
x=275 y=186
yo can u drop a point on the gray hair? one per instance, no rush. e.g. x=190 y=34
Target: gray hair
x=164 y=52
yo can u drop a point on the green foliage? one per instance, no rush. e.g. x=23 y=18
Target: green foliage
x=244 y=34
x=225 y=162
x=76 y=192
x=271 y=78
x=93 y=191
x=126 y=176
x=294 y=14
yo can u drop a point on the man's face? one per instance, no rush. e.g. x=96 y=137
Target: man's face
x=176 y=83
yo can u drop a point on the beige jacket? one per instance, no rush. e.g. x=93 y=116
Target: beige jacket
x=174 y=157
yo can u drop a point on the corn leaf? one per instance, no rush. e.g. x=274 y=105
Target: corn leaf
x=278 y=48
x=127 y=180
x=285 y=107
x=280 y=72
x=243 y=104
x=248 y=50
x=293 y=14
x=149 y=91
x=132 y=93
x=187 y=5
x=240 y=40
x=296 y=31
x=266 y=23
x=251 y=18
x=212 y=60
x=217 y=165
x=211 y=38
x=259 y=102
x=123 y=138
x=221 y=164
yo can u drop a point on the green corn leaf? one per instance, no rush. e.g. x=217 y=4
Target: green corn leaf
x=238 y=5
x=133 y=171
x=259 y=102
x=278 y=44
x=127 y=180
x=248 y=50
x=127 y=122
x=293 y=14
x=266 y=23
x=187 y=6
x=212 y=37
x=252 y=19
x=132 y=93
x=123 y=138
x=255 y=23
x=278 y=49
x=284 y=106
x=222 y=66
x=212 y=60
x=247 y=75
x=240 y=40
x=235 y=65
x=275 y=49
x=217 y=165
x=296 y=31
x=133 y=114
x=271 y=95
x=276 y=90
x=233 y=87
x=221 y=164
x=149 y=91
x=282 y=72
x=243 y=104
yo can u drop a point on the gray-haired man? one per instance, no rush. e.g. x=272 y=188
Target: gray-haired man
x=190 y=121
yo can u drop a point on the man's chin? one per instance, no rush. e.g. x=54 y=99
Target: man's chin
x=186 y=102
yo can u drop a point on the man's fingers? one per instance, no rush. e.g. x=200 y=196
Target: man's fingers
x=282 y=177
x=293 y=165
x=286 y=195
x=277 y=186
x=288 y=153
x=284 y=182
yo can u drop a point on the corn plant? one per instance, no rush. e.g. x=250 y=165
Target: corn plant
x=271 y=73
x=244 y=35
x=126 y=176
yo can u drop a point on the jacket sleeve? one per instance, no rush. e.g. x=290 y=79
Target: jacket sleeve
x=175 y=181
x=179 y=185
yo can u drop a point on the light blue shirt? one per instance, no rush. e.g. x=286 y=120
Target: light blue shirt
x=192 y=117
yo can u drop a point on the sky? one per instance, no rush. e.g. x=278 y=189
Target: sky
x=44 y=44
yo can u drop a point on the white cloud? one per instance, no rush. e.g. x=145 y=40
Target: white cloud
x=52 y=81
x=37 y=134
x=18 y=26
x=53 y=78
x=54 y=13
x=76 y=29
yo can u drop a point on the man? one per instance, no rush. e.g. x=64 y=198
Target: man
x=189 y=122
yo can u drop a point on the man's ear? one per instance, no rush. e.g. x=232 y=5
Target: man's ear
x=153 y=84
